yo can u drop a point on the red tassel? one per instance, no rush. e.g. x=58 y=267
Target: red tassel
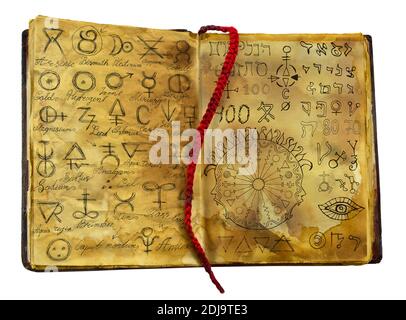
x=203 y=125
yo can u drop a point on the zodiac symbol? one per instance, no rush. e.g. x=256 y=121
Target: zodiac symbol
x=84 y=81
x=317 y=240
x=52 y=36
x=59 y=250
x=324 y=186
x=75 y=154
x=45 y=168
x=340 y=208
x=49 y=80
x=282 y=245
x=110 y=154
x=267 y=198
x=148 y=83
x=90 y=117
x=353 y=107
x=340 y=238
x=357 y=241
x=146 y=234
x=152 y=186
x=228 y=90
x=50 y=210
x=266 y=108
x=85 y=213
x=120 y=46
x=306 y=45
x=353 y=184
x=116 y=112
x=342 y=184
x=183 y=51
x=179 y=83
x=124 y=202
x=48 y=114
x=333 y=163
x=320 y=157
x=87 y=41
x=151 y=49
x=354 y=162
x=115 y=80
x=307 y=124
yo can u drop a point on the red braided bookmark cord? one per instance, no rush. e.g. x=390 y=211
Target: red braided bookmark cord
x=203 y=125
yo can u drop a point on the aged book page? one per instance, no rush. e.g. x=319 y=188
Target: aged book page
x=97 y=92
x=312 y=198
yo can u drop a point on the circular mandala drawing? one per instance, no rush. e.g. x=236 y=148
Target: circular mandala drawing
x=266 y=198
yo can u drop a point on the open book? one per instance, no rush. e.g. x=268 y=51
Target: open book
x=108 y=110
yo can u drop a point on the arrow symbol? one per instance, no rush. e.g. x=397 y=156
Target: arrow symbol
x=168 y=113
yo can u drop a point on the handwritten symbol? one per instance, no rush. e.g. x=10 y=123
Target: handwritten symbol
x=115 y=80
x=354 y=162
x=110 y=154
x=85 y=213
x=52 y=36
x=308 y=124
x=178 y=83
x=149 y=83
x=183 y=51
x=84 y=81
x=147 y=239
x=282 y=245
x=124 y=202
x=324 y=186
x=228 y=90
x=59 y=250
x=87 y=41
x=333 y=163
x=317 y=240
x=152 y=186
x=320 y=157
x=86 y=117
x=74 y=155
x=306 y=45
x=45 y=168
x=50 y=209
x=120 y=46
x=48 y=114
x=131 y=148
x=266 y=108
x=168 y=113
x=49 y=80
x=357 y=241
x=116 y=112
x=150 y=47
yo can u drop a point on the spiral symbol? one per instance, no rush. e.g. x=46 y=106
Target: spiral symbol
x=317 y=240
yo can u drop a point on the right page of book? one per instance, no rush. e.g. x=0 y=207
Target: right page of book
x=311 y=198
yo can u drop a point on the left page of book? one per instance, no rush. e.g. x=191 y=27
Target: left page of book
x=95 y=94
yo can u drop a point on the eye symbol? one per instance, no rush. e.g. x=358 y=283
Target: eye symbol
x=340 y=208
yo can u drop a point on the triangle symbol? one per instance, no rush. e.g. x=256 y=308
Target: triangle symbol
x=285 y=203
x=243 y=247
x=282 y=245
x=295 y=77
x=75 y=153
x=285 y=81
x=226 y=242
x=286 y=72
x=285 y=165
x=274 y=78
x=130 y=148
x=262 y=242
x=117 y=109
x=230 y=201
x=306 y=69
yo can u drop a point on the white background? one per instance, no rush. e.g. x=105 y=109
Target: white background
x=384 y=20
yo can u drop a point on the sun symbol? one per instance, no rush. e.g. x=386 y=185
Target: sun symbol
x=266 y=198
